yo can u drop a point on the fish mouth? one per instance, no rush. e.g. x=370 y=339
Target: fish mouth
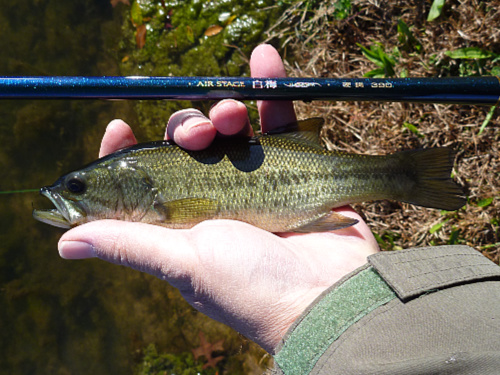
x=63 y=216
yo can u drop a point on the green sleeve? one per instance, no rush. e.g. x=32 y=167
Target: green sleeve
x=433 y=310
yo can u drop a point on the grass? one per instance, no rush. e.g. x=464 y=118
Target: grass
x=374 y=38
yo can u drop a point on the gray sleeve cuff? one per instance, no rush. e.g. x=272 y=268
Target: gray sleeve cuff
x=413 y=272
x=337 y=309
x=399 y=275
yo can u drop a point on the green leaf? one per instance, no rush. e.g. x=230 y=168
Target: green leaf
x=413 y=129
x=375 y=73
x=342 y=9
x=406 y=37
x=388 y=66
x=436 y=9
x=453 y=240
x=495 y=71
x=437 y=227
x=371 y=54
x=386 y=240
x=470 y=53
x=487 y=119
x=485 y=202
x=489 y=246
x=380 y=241
x=377 y=55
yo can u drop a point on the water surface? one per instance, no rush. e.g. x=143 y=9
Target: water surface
x=78 y=317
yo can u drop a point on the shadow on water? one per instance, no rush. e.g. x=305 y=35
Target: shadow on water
x=81 y=317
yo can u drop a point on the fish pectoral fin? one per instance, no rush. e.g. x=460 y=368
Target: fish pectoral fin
x=330 y=221
x=187 y=210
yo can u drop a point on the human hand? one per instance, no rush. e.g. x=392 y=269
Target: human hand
x=254 y=281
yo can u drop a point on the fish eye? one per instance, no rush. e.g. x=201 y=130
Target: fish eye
x=76 y=184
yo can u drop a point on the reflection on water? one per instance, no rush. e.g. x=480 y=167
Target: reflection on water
x=72 y=317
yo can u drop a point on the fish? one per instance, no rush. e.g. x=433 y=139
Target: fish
x=283 y=181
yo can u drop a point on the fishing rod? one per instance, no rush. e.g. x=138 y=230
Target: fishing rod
x=457 y=90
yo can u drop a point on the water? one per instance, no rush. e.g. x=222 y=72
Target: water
x=81 y=317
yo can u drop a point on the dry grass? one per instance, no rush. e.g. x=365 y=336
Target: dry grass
x=326 y=47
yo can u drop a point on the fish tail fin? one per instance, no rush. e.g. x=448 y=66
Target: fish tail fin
x=432 y=185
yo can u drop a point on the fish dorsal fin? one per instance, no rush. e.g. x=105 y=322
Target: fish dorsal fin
x=305 y=132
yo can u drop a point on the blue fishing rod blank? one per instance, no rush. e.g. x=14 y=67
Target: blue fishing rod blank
x=458 y=90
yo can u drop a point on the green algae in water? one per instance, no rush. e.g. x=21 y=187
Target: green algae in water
x=154 y=362
x=177 y=45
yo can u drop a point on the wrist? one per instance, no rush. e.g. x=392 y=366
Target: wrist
x=288 y=311
x=337 y=308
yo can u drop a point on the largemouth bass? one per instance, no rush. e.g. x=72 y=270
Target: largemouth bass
x=281 y=183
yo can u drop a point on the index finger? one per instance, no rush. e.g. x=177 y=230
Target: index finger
x=266 y=62
x=118 y=135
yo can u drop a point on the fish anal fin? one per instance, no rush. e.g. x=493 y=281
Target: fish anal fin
x=330 y=221
x=186 y=210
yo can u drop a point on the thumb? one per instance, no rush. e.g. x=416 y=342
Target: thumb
x=162 y=252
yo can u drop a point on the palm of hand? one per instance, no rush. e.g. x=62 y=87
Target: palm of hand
x=262 y=281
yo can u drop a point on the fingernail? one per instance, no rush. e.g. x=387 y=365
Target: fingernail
x=194 y=121
x=186 y=118
x=76 y=250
